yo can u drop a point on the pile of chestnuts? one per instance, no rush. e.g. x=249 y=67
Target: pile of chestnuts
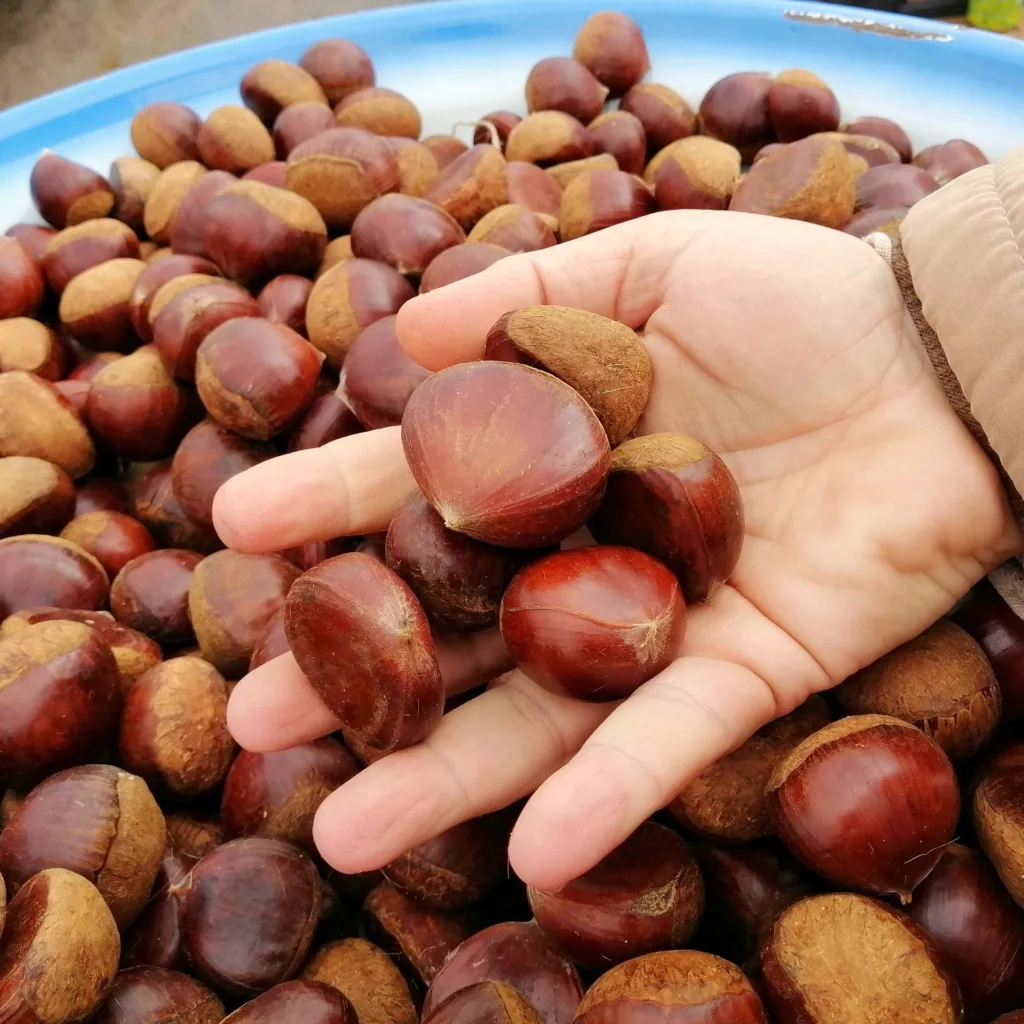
x=229 y=294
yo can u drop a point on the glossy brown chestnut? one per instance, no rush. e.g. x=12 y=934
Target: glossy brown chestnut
x=519 y=954
x=327 y=419
x=728 y=798
x=111 y=832
x=736 y=110
x=155 y=938
x=299 y=122
x=249 y=914
x=600 y=199
x=882 y=128
x=131 y=180
x=367 y=977
x=500 y=122
x=272 y=642
x=405 y=232
x=272 y=86
x=382 y=111
x=486 y=1002
x=150 y=594
x=184 y=323
x=255 y=232
x=622 y=135
x=35 y=496
x=445 y=148
x=60 y=695
x=22 y=285
x=611 y=45
x=698 y=173
x=276 y=795
x=60 y=950
x=950 y=159
x=34 y=238
x=458 y=262
x=829 y=957
x=941 y=682
x=548 y=137
x=296 y=1002
x=513 y=228
x=347 y=299
x=663 y=113
x=894 y=185
x=530 y=494
x=342 y=170
x=231 y=598
x=234 y=139
x=157 y=507
x=998 y=808
x=390 y=694
x=86 y=245
x=534 y=188
x=801 y=104
x=208 y=455
x=153 y=995
x=38 y=570
x=472 y=185
x=174 y=730
x=284 y=299
x=378 y=378
x=98 y=493
x=417 y=166
x=188 y=227
x=341 y=67
x=113 y=538
x=673 y=498
x=166 y=133
x=898 y=808
x=595 y=622
x=66 y=193
x=153 y=278
x=166 y=196
x=562 y=83
x=94 y=306
x=676 y=985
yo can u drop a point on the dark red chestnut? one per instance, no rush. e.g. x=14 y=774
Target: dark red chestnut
x=445 y=148
x=869 y=802
x=562 y=83
x=341 y=67
x=86 y=245
x=882 y=128
x=153 y=278
x=35 y=496
x=458 y=262
x=530 y=186
x=514 y=228
x=998 y=811
x=249 y=914
x=154 y=995
x=155 y=937
x=663 y=113
x=22 y=285
x=150 y=594
x=612 y=46
x=113 y=538
x=390 y=694
x=272 y=86
x=272 y=642
x=296 y=1002
x=405 y=232
x=276 y=795
x=801 y=104
x=735 y=110
x=548 y=137
x=166 y=133
x=486 y=1002
x=326 y=420
x=34 y=238
x=673 y=498
x=621 y=134
x=188 y=226
x=155 y=504
x=132 y=180
x=99 y=494
x=37 y=570
x=529 y=494
x=600 y=199
x=66 y=193
x=893 y=185
x=299 y=122
x=950 y=159
x=500 y=122
x=284 y=299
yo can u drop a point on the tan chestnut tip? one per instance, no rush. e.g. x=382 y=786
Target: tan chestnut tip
x=166 y=196
x=382 y=111
x=568 y=172
x=292 y=209
x=659 y=451
x=234 y=139
x=707 y=163
x=801 y=77
x=99 y=288
x=546 y=136
x=285 y=83
x=101 y=227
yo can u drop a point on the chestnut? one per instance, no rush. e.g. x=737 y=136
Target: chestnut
x=274 y=172
x=153 y=278
x=996 y=811
x=886 y=219
x=154 y=939
x=271 y=643
x=611 y=45
x=66 y=193
x=86 y=245
x=231 y=597
x=157 y=507
x=865 y=150
x=644 y=896
x=941 y=682
x=94 y=305
x=38 y=570
x=664 y=115
x=166 y=196
x=22 y=285
x=514 y=228
x=249 y=913
x=382 y=111
x=378 y=377
x=131 y=180
x=519 y=954
x=499 y=123
x=284 y=299
x=801 y=104
x=675 y=499
x=882 y=128
x=298 y=122
x=894 y=185
x=113 y=538
x=548 y=137
x=188 y=227
x=728 y=798
x=339 y=250
x=472 y=185
x=446 y=148
x=564 y=174
x=234 y=139
x=35 y=496
x=458 y=262
x=341 y=67
x=174 y=730
x=486 y=1002
x=422 y=938
x=255 y=376
x=255 y=232
x=405 y=232
x=34 y=238
x=899 y=807
x=530 y=494
x=111 y=832
x=327 y=419
x=60 y=950
x=153 y=995
x=296 y=1002
x=367 y=977
x=699 y=173
x=88 y=370
x=208 y=455
x=347 y=299
x=530 y=186
x=620 y=134
x=736 y=110
x=75 y=392
x=599 y=200
x=186 y=320
x=276 y=795
x=828 y=956
x=342 y=170
x=950 y=159
x=166 y=133
x=672 y=985
x=137 y=409
x=417 y=166
x=594 y=623
x=562 y=83
x=272 y=86
x=390 y=694
x=193 y=837
x=97 y=494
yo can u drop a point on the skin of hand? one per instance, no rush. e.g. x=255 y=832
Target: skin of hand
x=869 y=511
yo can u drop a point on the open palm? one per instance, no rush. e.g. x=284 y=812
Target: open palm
x=869 y=511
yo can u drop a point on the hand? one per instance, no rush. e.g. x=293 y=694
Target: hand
x=869 y=510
